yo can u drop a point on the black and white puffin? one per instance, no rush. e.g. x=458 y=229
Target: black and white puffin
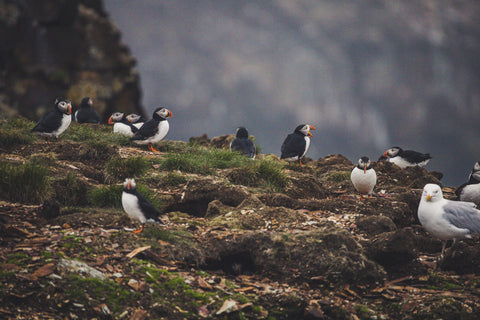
x=136 y=120
x=121 y=124
x=154 y=129
x=405 y=158
x=56 y=121
x=364 y=178
x=470 y=191
x=137 y=206
x=296 y=144
x=242 y=143
x=86 y=113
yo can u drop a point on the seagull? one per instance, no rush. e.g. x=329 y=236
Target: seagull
x=363 y=177
x=154 y=129
x=405 y=158
x=242 y=143
x=296 y=144
x=56 y=121
x=447 y=219
x=470 y=191
x=137 y=206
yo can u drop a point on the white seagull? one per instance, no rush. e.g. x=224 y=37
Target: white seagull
x=447 y=219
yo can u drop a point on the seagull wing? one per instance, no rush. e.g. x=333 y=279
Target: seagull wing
x=463 y=215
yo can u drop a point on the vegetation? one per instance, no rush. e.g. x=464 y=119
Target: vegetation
x=15 y=131
x=261 y=173
x=117 y=169
x=27 y=183
x=111 y=196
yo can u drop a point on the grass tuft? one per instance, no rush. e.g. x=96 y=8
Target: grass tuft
x=15 y=132
x=117 y=169
x=27 y=183
x=261 y=173
x=111 y=196
x=71 y=191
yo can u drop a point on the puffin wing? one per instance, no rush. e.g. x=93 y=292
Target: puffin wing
x=88 y=115
x=459 y=190
x=414 y=156
x=293 y=146
x=462 y=215
x=49 y=123
x=244 y=146
x=147 y=208
x=149 y=129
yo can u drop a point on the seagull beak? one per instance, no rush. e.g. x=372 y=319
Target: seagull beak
x=429 y=197
x=365 y=168
x=110 y=120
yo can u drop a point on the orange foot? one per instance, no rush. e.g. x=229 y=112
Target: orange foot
x=361 y=198
x=139 y=230
x=151 y=148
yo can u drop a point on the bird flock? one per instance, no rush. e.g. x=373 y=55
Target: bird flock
x=442 y=218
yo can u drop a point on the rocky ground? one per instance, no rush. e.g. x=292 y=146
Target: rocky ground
x=231 y=247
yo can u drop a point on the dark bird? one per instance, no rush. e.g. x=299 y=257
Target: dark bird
x=242 y=143
x=470 y=191
x=56 y=121
x=154 y=129
x=405 y=158
x=137 y=206
x=363 y=177
x=296 y=144
x=121 y=124
x=86 y=113
x=136 y=120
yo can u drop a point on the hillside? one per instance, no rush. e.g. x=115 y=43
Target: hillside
x=242 y=239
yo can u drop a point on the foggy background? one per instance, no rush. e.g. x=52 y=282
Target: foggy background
x=367 y=74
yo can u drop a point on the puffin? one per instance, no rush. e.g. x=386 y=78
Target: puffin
x=242 y=143
x=56 y=121
x=363 y=177
x=121 y=124
x=154 y=129
x=405 y=158
x=296 y=144
x=470 y=190
x=136 y=120
x=137 y=206
x=86 y=113
x=447 y=219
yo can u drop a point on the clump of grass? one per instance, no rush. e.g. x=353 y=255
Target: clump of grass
x=203 y=160
x=338 y=176
x=71 y=191
x=111 y=196
x=27 y=183
x=118 y=169
x=95 y=150
x=46 y=159
x=171 y=236
x=91 y=133
x=14 y=132
x=171 y=179
x=261 y=173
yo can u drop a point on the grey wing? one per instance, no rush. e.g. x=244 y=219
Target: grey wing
x=463 y=215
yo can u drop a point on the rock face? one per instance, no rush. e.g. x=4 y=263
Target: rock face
x=66 y=48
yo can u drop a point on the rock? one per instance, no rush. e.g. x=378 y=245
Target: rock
x=80 y=268
x=462 y=258
x=202 y=140
x=374 y=225
x=216 y=208
x=223 y=142
x=50 y=209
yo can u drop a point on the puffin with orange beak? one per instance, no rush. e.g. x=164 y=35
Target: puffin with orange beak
x=136 y=205
x=296 y=144
x=405 y=158
x=154 y=129
x=121 y=124
x=363 y=177
x=56 y=121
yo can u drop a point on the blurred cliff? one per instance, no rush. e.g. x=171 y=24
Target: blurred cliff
x=68 y=48
x=368 y=74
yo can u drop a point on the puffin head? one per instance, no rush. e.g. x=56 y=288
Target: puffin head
x=129 y=184
x=63 y=105
x=475 y=171
x=133 y=117
x=364 y=164
x=305 y=129
x=392 y=152
x=116 y=117
x=432 y=193
x=87 y=102
x=241 y=132
x=162 y=114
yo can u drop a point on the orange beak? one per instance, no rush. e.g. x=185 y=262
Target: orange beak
x=170 y=114
x=69 y=109
x=365 y=168
x=128 y=185
x=312 y=127
x=309 y=134
x=386 y=155
x=110 y=121
x=429 y=197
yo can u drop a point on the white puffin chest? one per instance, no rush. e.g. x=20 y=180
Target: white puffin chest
x=471 y=193
x=163 y=127
x=122 y=128
x=364 y=182
x=132 y=208
x=64 y=123
x=307 y=145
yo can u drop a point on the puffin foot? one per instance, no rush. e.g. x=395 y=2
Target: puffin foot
x=139 y=230
x=151 y=148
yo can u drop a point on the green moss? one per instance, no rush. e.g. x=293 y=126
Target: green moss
x=117 y=169
x=45 y=159
x=363 y=312
x=338 y=176
x=15 y=132
x=18 y=258
x=261 y=173
x=27 y=183
x=171 y=236
x=71 y=191
x=111 y=196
